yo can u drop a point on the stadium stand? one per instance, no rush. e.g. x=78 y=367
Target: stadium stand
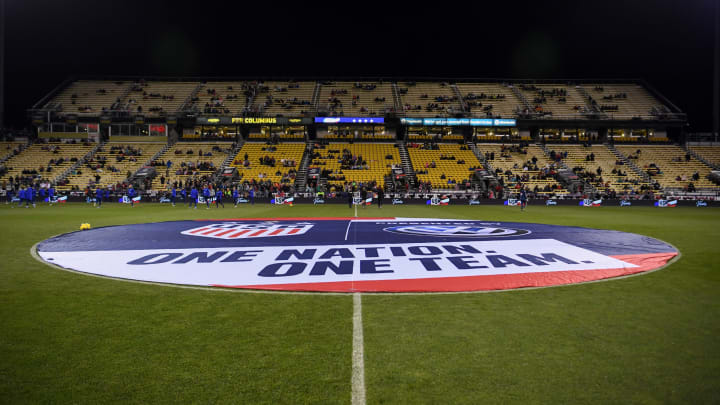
x=356 y=162
x=709 y=153
x=489 y=100
x=423 y=99
x=188 y=160
x=87 y=97
x=8 y=149
x=222 y=98
x=613 y=175
x=279 y=163
x=356 y=99
x=289 y=98
x=625 y=101
x=554 y=100
x=111 y=165
x=45 y=161
x=443 y=166
x=509 y=161
x=155 y=98
x=670 y=165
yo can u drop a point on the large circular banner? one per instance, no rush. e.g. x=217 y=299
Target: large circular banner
x=356 y=254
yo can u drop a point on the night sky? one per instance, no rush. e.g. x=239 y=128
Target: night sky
x=669 y=43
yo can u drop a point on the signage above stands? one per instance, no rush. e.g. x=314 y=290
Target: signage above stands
x=504 y=122
x=411 y=121
x=473 y=122
x=252 y=121
x=349 y=120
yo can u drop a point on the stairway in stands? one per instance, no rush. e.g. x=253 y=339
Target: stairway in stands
x=629 y=163
x=228 y=160
x=700 y=157
x=463 y=103
x=301 y=175
x=152 y=159
x=397 y=101
x=406 y=163
x=79 y=163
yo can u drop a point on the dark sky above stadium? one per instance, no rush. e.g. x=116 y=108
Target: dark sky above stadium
x=667 y=42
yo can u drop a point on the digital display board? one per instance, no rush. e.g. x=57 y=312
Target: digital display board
x=473 y=122
x=252 y=120
x=434 y=121
x=349 y=120
x=498 y=122
x=481 y=122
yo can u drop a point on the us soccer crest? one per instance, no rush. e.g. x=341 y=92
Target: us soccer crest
x=240 y=230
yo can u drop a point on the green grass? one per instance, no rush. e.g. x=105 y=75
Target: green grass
x=69 y=338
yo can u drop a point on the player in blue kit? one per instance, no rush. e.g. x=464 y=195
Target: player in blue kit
x=523 y=199
x=30 y=197
x=193 y=197
x=173 y=195
x=235 y=196
x=218 y=198
x=131 y=195
x=51 y=194
x=98 y=197
x=8 y=194
x=206 y=196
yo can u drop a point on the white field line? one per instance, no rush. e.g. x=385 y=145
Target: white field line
x=358 y=360
x=348 y=229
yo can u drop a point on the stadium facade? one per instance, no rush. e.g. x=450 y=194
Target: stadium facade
x=464 y=137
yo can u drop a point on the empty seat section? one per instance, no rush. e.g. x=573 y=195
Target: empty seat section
x=511 y=159
x=112 y=163
x=290 y=153
x=446 y=167
x=189 y=161
x=670 y=165
x=356 y=99
x=428 y=99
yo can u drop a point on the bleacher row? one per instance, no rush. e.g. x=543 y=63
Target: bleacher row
x=444 y=166
x=366 y=98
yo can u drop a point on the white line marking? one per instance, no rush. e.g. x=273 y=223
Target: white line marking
x=348 y=229
x=358 y=360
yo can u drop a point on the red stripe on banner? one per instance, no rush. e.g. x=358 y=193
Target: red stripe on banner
x=235 y=235
x=211 y=231
x=277 y=231
x=260 y=232
x=224 y=233
x=645 y=262
x=294 y=219
x=199 y=230
x=294 y=231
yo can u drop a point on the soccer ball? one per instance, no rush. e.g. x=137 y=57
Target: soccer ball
x=84 y=226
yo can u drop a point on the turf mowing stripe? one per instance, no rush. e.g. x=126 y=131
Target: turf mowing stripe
x=358 y=361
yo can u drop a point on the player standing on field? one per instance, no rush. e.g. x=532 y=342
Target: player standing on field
x=218 y=198
x=131 y=195
x=523 y=199
x=206 y=196
x=98 y=196
x=193 y=197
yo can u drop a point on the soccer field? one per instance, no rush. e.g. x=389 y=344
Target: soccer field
x=71 y=338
